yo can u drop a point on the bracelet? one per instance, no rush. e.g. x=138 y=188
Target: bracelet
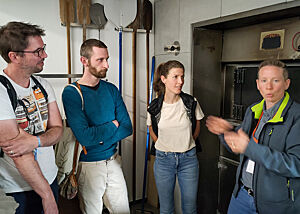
x=39 y=141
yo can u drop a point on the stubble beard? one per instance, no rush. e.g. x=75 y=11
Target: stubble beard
x=34 y=69
x=37 y=69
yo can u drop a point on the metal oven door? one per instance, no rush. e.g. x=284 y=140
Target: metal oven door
x=227 y=171
x=240 y=89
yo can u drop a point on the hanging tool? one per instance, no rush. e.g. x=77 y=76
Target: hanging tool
x=120 y=76
x=135 y=25
x=120 y=13
x=147 y=21
x=120 y=60
x=142 y=210
x=67 y=16
x=127 y=14
x=97 y=16
x=83 y=15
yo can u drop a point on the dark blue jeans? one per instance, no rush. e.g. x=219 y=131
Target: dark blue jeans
x=30 y=202
x=242 y=204
x=185 y=166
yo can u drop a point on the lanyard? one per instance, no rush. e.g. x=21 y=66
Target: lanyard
x=254 y=138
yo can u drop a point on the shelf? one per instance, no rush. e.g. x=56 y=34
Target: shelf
x=59 y=75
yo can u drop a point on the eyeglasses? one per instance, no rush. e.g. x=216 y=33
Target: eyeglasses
x=38 y=52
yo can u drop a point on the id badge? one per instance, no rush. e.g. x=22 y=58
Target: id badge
x=250 y=166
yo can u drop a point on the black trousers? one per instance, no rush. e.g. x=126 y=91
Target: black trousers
x=30 y=202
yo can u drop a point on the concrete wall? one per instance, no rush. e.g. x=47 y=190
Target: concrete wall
x=173 y=20
x=46 y=14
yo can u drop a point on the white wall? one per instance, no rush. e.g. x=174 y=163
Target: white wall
x=46 y=14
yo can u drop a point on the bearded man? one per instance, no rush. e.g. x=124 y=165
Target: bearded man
x=99 y=126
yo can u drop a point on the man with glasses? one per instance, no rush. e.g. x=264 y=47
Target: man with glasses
x=28 y=131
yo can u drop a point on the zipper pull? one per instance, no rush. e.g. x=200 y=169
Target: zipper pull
x=288 y=187
x=271 y=132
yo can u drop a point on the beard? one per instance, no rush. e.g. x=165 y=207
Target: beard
x=97 y=73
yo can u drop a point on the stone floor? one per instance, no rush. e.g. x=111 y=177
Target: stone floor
x=148 y=209
x=72 y=207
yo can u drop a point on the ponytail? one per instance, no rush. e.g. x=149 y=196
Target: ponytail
x=158 y=85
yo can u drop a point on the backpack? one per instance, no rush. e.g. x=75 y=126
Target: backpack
x=13 y=95
x=65 y=156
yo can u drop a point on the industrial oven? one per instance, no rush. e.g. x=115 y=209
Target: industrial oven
x=226 y=56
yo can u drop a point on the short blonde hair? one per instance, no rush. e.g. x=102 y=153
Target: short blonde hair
x=277 y=63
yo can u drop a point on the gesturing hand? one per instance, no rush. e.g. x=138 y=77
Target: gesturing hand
x=237 y=141
x=218 y=125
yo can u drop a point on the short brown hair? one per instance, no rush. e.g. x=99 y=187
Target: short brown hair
x=86 y=49
x=276 y=63
x=163 y=70
x=14 y=37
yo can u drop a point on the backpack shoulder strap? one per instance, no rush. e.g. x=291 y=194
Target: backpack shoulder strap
x=77 y=87
x=12 y=96
x=39 y=85
x=10 y=91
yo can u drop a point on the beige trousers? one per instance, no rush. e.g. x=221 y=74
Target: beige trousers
x=102 y=182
